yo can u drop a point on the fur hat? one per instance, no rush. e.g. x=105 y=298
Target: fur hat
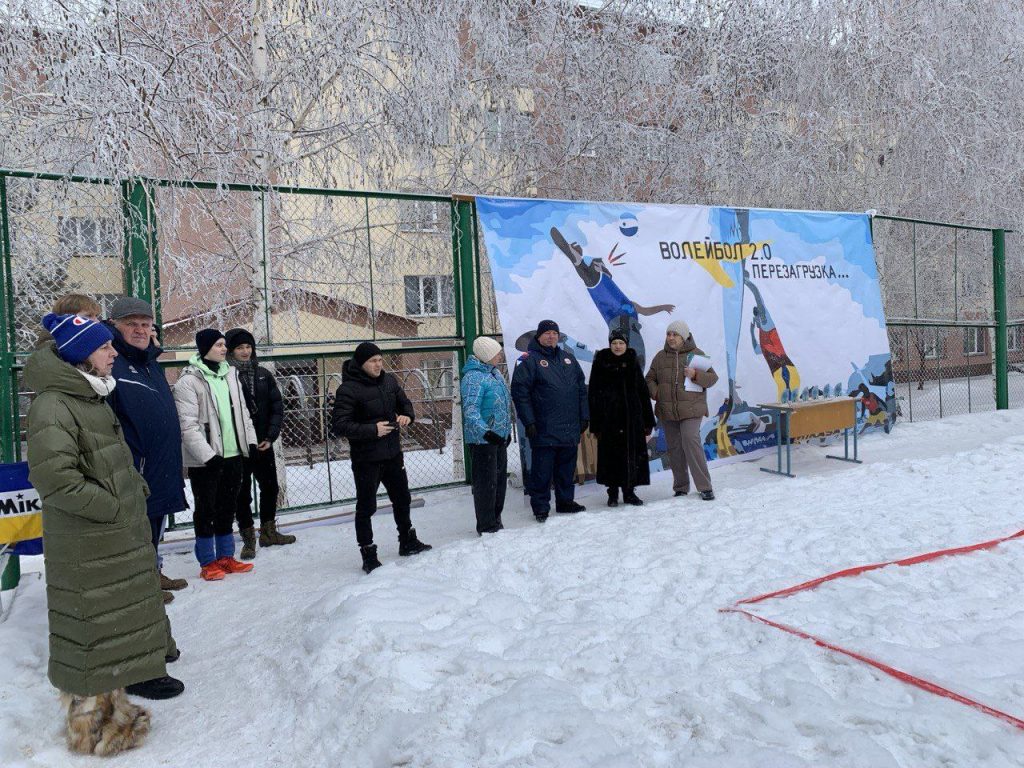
x=680 y=327
x=619 y=334
x=205 y=340
x=486 y=349
x=76 y=336
x=365 y=351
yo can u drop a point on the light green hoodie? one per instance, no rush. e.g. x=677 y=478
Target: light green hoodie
x=222 y=396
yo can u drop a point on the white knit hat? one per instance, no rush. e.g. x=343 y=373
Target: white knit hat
x=680 y=327
x=486 y=349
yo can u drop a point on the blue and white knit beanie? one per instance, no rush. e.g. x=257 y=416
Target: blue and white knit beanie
x=76 y=337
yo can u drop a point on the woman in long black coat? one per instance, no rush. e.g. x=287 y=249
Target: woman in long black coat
x=621 y=418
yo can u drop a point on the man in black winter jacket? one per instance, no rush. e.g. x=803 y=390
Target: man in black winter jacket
x=550 y=395
x=263 y=399
x=370 y=409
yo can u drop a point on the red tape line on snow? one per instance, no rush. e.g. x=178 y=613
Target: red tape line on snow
x=856 y=571
x=906 y=677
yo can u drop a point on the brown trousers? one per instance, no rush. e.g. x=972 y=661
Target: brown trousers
x=685 y=452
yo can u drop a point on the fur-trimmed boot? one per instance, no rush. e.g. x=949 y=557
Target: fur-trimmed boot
x=248 y=543
x=270 y=536
x=105 y=724
x=370 y=561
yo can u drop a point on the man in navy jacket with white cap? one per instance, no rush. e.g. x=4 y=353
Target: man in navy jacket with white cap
x=550 y=395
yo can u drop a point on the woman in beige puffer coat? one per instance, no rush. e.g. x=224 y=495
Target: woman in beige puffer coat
x=679 y=411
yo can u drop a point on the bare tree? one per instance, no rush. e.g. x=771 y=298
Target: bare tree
x=911 y=107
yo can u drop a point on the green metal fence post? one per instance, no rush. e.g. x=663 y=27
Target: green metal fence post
x=8 y=389
x=11 y=575
x=140 y=239
x=463 y=246
x=999 y=307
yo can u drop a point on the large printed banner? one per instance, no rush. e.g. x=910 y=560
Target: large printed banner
x=786 y=303
x=21 y=514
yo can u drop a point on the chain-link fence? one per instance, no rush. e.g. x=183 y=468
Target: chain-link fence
x=939 y=288
x=311 y=272
x=314 y=272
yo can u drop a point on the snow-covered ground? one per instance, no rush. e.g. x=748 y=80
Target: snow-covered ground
x=596 y=639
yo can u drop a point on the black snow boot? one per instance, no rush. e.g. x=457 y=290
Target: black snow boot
x=707 y=495
x=542 y=517
x=629 y=497
x=570 y=508
x=370 y=560
x=613 y=497
x=408 y=544
x=157 y=688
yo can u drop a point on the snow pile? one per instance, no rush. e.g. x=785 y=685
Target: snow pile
x=596 y=640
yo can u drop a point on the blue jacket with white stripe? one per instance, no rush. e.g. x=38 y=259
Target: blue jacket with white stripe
x=143 y=403
x=486 y=402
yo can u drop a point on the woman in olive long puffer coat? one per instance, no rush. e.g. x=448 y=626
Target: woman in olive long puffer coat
x=107 y=626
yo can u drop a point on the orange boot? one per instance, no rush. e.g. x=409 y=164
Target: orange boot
x=230 y=565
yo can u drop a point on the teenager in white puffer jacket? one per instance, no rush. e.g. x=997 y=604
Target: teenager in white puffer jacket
x=216 y=434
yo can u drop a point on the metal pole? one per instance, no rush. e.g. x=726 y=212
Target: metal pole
x=463 y=247
x=139 y=239
x=369 y=261
x=11 y=575
x=910 y=383
x=913 y=250
x=999 y=308
x=9 y=431
x=8 y=390
x=956 y=279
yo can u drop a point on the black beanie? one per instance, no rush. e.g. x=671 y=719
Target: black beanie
x=238 y=336
x=546 y=325
x=619 y=334
x=365 y=351
x=205 y=340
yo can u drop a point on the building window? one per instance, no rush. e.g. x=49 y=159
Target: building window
x=427 y=295
x=931 y=345
x=1015 y=338
x=418 y=216
x=440 y=377
x=974 y=341
x=85 y=236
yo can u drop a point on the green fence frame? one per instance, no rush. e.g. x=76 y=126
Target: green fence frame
x=142 y=277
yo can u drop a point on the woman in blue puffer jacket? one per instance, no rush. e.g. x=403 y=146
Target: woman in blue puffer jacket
x=487 y=422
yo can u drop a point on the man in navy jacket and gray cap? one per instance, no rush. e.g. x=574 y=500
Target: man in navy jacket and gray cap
x=145 y=407
x=550 y=395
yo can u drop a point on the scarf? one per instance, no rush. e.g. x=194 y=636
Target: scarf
x=101 y=385
x=247 y=374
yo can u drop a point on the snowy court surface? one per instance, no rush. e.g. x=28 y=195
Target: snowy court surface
x=596 y=640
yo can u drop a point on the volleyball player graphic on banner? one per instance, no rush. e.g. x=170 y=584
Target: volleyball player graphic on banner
x=786 y=302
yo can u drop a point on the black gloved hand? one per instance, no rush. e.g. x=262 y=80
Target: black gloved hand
x=531 y=431
x=583 y=426
x=215 y=462
x=492 y=437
